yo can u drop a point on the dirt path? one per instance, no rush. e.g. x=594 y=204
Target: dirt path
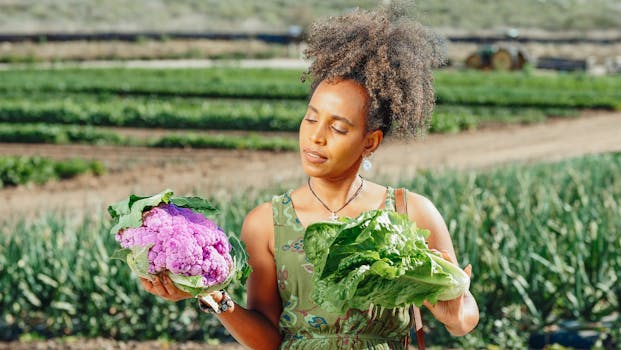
x=214 y=172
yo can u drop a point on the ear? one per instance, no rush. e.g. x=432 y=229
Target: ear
x=372 y=141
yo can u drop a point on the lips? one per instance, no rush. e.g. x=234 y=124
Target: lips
x=314 y=156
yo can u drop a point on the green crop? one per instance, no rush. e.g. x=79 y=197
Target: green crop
x=543 y=240
x=378 y=258
x=68 y=134
x=16 y=170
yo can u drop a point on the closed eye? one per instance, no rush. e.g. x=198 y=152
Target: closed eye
x=343 y=132
x=310 y=120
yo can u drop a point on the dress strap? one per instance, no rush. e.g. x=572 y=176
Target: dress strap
x=389 y=204
x=282 y=209
x=286 y=224
x=277 y=208
x=401 y=203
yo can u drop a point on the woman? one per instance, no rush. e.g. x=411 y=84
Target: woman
x=371 y=78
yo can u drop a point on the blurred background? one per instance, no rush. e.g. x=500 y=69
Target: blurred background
x=100 y=99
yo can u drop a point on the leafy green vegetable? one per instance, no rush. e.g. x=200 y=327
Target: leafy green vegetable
x=379 y=258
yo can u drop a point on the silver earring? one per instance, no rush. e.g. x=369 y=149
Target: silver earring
x=366 y=164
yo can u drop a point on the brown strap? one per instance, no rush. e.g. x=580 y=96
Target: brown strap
x=401 y=204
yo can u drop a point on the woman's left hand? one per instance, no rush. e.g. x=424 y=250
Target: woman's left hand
x=451 y=312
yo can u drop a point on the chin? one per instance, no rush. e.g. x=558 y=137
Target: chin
x=312 y=171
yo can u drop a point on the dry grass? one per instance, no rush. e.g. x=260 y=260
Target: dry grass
x=243 y=15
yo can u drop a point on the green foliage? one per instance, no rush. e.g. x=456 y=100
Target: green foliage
x=253 y=142
x=58 y=279
x=543 y=240
x=453 y=87
x=213 y=82
x=517 y=89
x=58 y=134
x=378 y=258
x=22 y=170
x=62 y=134
x=256 y=115
x=257 y=100
x=170 y=113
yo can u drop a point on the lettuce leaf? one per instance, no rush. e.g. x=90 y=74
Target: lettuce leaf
x=378 y=258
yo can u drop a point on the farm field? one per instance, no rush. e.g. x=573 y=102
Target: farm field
x=217 y=171
x=525 y=167
x=515 y=152
x=163 y=117
x=498 y=217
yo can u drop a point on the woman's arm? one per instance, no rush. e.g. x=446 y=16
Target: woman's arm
x=256 y=326
x=459 y=315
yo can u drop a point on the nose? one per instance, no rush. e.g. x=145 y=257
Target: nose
x=318 y=134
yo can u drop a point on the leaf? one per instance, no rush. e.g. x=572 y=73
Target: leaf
x=63 y=305
x=138 y=261
x=195 y=203
x=128 y=213
x=240 y=259
x=121 y=254
x=30 y=296
x=379 y=258
x=47 y=280
x=191 y=284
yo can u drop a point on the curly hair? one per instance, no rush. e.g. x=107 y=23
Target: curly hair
x=390 y=55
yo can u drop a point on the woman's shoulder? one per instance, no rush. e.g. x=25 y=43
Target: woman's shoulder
x=260 y=214
x=258 y=228
x=422 y=210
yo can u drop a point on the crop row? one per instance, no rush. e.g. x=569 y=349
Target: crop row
x=453 y=87
x=525 y=80
x=543 y=241
x=528 y=97
x=183 y=79
x=174 y=113
x=22 y=170
x=220 y=82
x=251 y=115
x=63 y=134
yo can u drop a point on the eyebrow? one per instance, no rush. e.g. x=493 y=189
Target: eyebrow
x=334 y=116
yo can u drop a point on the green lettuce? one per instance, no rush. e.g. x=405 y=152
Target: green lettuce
x=380 y=258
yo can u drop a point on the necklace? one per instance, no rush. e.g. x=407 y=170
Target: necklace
x=333 y=213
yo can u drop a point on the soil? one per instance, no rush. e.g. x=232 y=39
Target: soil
x=220 y=172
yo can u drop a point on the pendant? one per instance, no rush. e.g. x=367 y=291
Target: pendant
x=333 y=217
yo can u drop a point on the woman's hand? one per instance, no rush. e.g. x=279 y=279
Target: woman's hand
x=454 y=314
x=163 y=287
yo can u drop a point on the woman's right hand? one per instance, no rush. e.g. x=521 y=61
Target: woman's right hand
x=163 y=287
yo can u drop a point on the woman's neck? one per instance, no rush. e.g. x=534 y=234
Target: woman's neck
x=334 y=193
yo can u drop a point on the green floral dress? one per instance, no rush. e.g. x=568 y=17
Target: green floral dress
x=303 y=323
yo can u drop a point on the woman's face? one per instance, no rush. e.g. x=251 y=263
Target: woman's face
x=333 y=136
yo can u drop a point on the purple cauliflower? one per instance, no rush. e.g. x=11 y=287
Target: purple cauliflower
x=183 y=242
